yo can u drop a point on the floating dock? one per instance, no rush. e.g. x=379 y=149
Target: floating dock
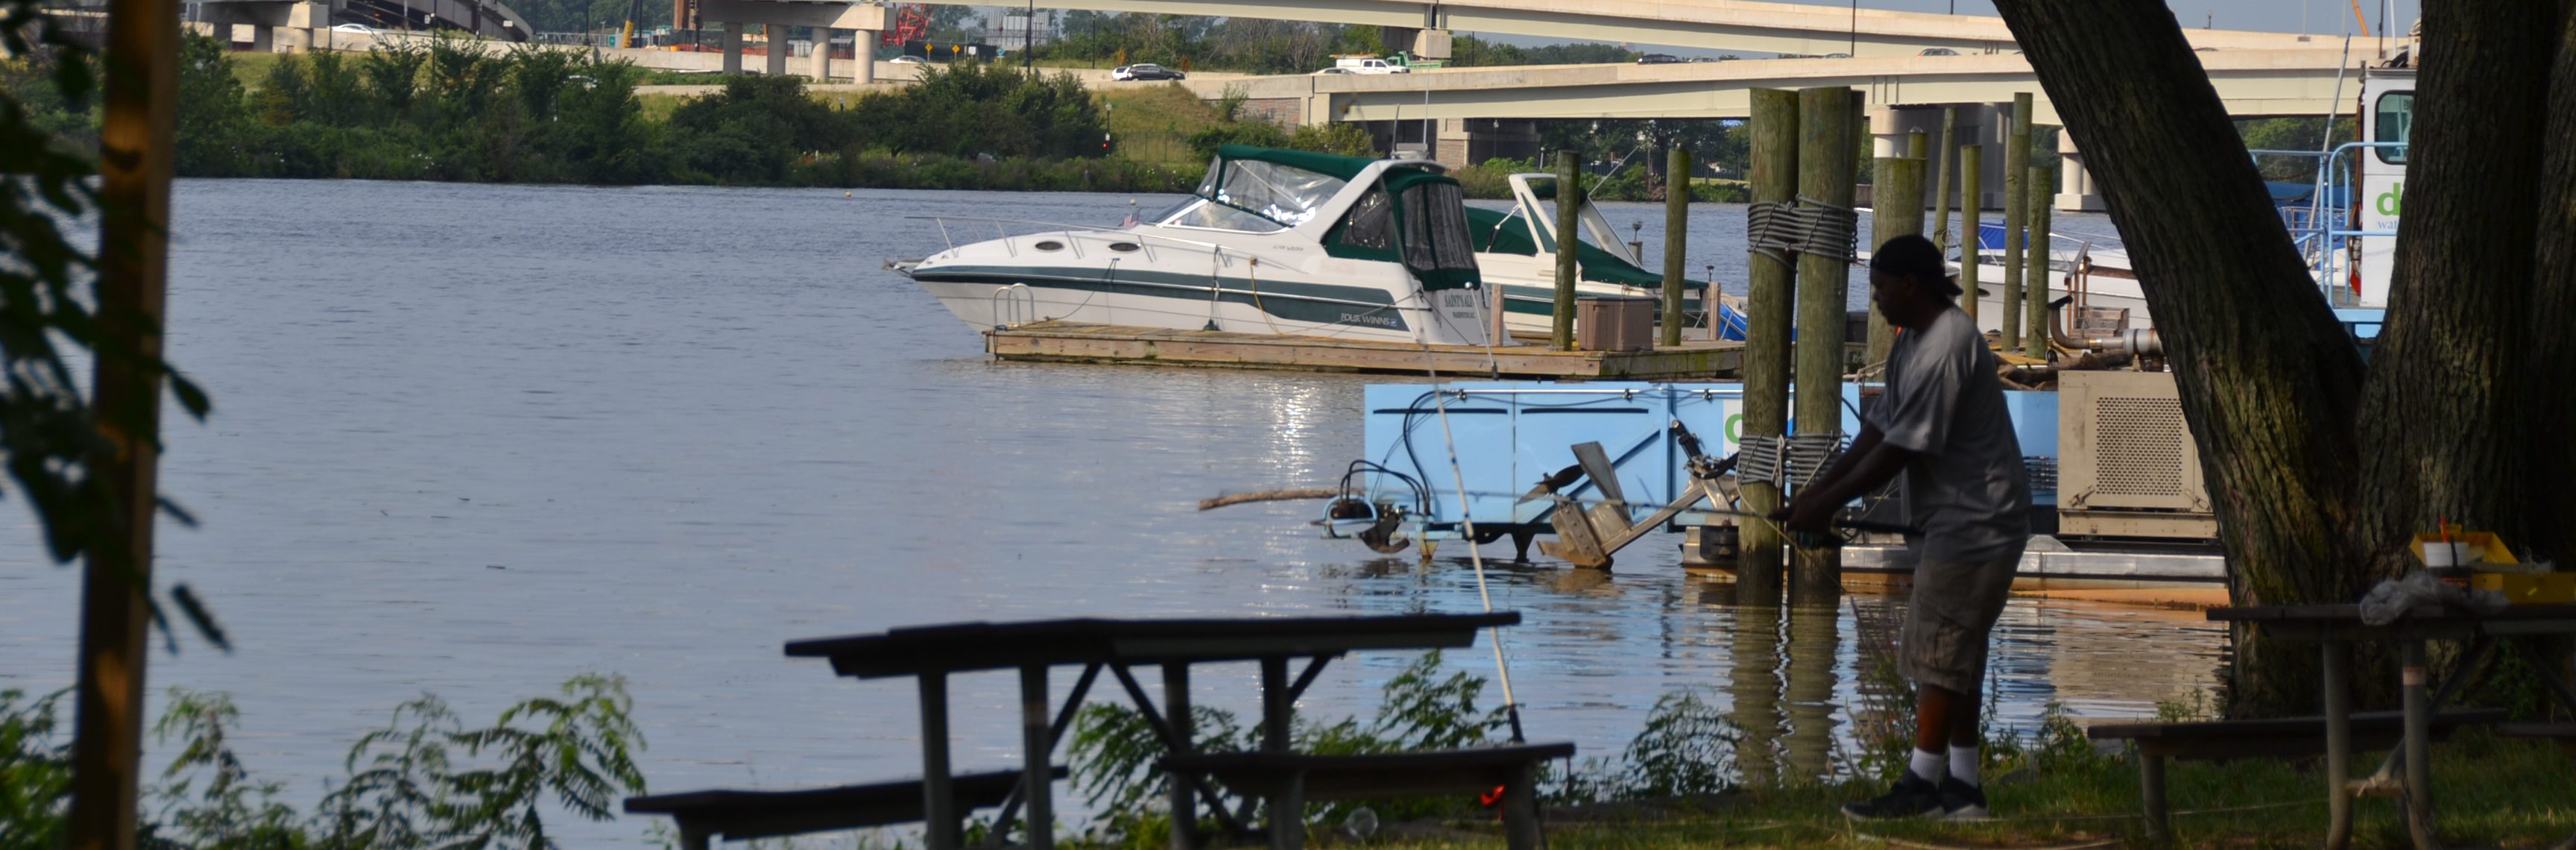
x=1071 y=342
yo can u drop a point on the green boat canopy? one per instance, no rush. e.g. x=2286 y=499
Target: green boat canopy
x=1497 y=232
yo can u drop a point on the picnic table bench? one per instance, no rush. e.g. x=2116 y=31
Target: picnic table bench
x=2336 y=627
x=930 y=654
x=746 y=815
x=2281 y=737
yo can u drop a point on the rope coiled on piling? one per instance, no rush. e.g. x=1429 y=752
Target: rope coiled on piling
x=1777 y=229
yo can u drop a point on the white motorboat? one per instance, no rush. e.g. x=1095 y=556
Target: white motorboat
x=1516 y=251
x=1272 y=242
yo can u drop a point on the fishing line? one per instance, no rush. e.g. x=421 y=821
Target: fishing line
x=1475 y=557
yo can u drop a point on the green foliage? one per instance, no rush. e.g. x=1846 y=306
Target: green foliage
x=35 y=772
x=978 y=109
x=1114 y=748
x=751 y=131
x=1335 y=137
x=1688 y=747
x=228 y=810
x=1255 y=133
x=425 y=781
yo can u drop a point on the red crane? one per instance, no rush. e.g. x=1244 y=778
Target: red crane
x=911 y=24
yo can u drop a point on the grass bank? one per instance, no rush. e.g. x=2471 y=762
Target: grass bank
x=2491 y=793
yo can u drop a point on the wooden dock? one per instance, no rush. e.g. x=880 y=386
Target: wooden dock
x=1071 y=342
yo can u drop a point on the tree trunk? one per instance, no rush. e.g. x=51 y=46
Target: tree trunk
x=2443 y=413
x=2269 y=380
x=2552 y=511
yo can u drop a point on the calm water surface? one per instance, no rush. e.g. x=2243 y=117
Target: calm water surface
x=472 y=440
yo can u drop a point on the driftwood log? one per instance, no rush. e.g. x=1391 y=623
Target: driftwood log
x=1290 y=494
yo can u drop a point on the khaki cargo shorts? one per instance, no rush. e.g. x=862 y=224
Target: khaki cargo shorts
x=1948 y=623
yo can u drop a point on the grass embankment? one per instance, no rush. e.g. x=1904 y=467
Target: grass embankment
x=2490 y=792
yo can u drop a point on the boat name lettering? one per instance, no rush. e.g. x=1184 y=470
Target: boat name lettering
x=1369 y=319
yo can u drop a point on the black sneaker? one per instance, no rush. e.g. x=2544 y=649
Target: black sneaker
x=1913 y=797
x=1962 y=801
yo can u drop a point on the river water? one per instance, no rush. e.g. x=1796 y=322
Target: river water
x=472 y=440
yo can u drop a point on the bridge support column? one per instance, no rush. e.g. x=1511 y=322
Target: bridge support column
x=1461 y=142
x=777 y=64
x=823 y=54
x=863 y=53
x=1889 y=129
x=263 y=38
x=2075 y=189
x=732 y=47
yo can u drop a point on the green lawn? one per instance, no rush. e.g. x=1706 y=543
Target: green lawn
x=2491 y=793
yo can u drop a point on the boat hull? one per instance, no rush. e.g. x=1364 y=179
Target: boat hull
x=1119 y=278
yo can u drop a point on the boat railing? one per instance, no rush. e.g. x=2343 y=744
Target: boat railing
x=1144 y=241
x=2327 y=223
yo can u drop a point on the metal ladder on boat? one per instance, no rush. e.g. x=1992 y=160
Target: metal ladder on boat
x=1014 y=305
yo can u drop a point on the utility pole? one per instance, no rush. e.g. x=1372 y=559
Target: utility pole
x=135 y=144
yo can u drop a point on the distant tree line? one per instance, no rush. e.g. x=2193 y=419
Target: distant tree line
x=453 y=110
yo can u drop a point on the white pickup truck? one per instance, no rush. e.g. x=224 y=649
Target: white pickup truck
x=1368 y=65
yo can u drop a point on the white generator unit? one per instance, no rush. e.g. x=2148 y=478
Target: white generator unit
x=2127 y=466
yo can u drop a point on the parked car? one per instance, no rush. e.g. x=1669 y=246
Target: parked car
x=908 y=60
x=1837 y=55
x=1938 y=51
x=1145 y=71
x=1660 y=59
x=360 y=29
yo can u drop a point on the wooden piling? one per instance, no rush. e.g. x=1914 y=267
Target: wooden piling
x=1569 y=201
x=1677 y=192
x=1949 y=159
x=1766 y=342
x=1972 y=209
x=1899 y=212
x=2034 y=323
x=1828 y=156
x=2016 y=214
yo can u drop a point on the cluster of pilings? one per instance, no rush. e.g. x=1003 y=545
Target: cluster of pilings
x=1806 y=152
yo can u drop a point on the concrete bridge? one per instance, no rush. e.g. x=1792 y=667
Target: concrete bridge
x=298 y=25
x=1724 y=25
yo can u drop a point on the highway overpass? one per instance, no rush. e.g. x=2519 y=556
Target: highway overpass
x=1721 y=25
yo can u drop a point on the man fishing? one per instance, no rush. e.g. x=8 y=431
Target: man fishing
x=1941 y=421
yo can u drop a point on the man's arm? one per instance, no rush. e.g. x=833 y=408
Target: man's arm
x=1871 y=462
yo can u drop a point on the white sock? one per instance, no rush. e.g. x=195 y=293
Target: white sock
x=1927 y=766
x=1963 y=764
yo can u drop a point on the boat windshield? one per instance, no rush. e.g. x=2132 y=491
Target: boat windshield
x=1256 y=196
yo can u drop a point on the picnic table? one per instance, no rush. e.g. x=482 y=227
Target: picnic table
x=2337 y=627
x=930 y=654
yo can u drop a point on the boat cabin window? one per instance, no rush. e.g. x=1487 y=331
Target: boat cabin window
x=1370 y=223
x=1254 y=196
x=2394 y=122
x=1201 y=212
x=1435 y=228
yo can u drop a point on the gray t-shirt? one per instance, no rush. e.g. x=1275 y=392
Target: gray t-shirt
x=1965 y=486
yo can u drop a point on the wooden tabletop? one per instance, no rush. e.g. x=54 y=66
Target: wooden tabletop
x=2352 y=613
x=958 y=647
